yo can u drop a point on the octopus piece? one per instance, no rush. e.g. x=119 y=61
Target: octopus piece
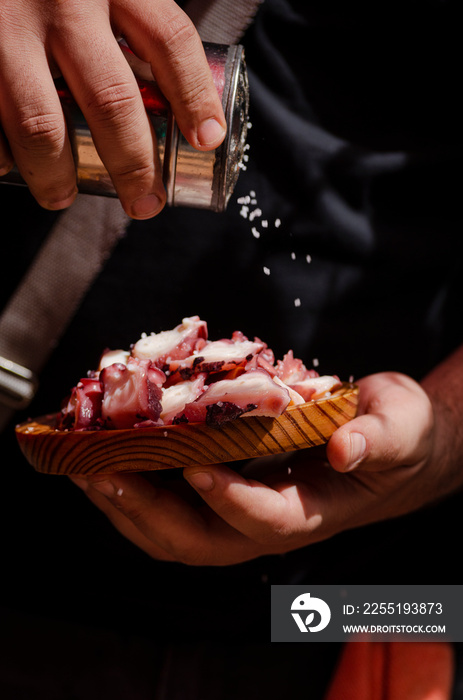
x=82 y=410
x=254 y=393
x=314 y=388
x=131 y=393
x=217 y=356
x=291 y=370
x=161 y=348
x=176 y=396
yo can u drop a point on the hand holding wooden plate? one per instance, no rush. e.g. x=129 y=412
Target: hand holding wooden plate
x=102 y=451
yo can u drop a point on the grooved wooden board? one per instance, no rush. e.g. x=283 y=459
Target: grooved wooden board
x=95 y=452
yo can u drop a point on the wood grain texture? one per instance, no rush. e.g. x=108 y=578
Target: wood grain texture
x=96 y=452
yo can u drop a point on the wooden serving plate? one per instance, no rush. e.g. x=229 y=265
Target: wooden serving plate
x=102 y=451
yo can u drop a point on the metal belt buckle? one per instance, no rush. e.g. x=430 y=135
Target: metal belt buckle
x=17 y=384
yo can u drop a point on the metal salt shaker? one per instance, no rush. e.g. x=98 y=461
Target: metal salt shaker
x=200 y=179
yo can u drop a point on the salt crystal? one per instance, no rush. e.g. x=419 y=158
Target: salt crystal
x=351 y=379
x=297 y=302
x=165 y=433
x=255 y=232
x=293 y=256
x=289 y=470
x=252 y=193
x=264 y=223
x=249 y=125
x=308 y=258
x=266 y=270
x=119 y=492
x=315 y=362
x=245 y=158
x=143 y=335
x=244 y=212
x=254 y=213
x=277 y=223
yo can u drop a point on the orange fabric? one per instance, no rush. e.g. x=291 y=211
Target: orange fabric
x=393 y=671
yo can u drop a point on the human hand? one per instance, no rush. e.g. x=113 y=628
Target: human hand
x=289 y=501
x=77 y=38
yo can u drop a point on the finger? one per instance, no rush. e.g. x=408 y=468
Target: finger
x=106 y=90
x=33 y=122
x=168 y=522
x=277 y=517
x=394 y=429
x=161 y=34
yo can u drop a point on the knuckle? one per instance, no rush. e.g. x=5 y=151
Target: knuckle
x=133 y=172
x=196 y=96
x=41 y=132
x=178 y=34
x=114 y=99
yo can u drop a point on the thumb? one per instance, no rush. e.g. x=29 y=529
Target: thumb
x=393 y=429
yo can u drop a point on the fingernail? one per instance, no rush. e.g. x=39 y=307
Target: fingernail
x=104 y=487
x=146 y=206
x=203 y=481
x=358 y=445
x=210 y=132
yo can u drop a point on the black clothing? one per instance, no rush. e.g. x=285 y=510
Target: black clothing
x=353 y=147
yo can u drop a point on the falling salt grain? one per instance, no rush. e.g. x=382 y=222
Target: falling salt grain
x=297 y=302
x=252 y=193
x=254 y=213
x=351 y=379
x=143 y=335
x=255 y=232
x=289 y=470
x=277 y=223
x=165 y=433
x=293 y=256
x=264 y=223
x=119 y=492
x=315 y=362
x=266 y=270
x=308 y=258
x=244 y=212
